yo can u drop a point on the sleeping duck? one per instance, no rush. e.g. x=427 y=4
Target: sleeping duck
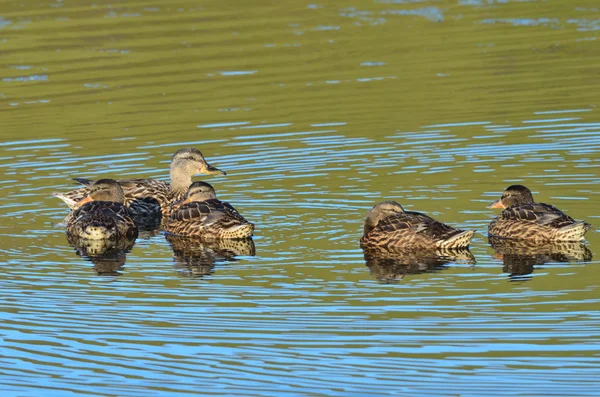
x=387 y=226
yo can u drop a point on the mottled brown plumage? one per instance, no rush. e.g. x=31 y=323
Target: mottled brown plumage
x=524 y=219
x=387 y=225
x=151 y=197
x=102 y=214
x=202 y=214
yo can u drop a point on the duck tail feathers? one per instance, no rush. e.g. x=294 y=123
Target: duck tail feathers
x=573 y=232
x=84 y=182
x=459 y=240
x=66 y=198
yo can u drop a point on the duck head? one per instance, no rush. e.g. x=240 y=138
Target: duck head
x=190 y=161
x=104 y=190
x=513 y=195
x=198 y=191
x=380 y=211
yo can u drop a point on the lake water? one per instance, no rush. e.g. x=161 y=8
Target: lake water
x=316 y=111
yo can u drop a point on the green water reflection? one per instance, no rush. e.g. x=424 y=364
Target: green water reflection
x=316 y=111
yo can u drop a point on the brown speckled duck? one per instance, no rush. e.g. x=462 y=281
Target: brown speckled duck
x=151 y=197
x=201 y=214
x=524 y=219
x=387 y=225
x=101 y=215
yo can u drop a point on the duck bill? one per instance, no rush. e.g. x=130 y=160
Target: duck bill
x=85 y=200
x=181 y=202
x=496 y=204
x=210 y=170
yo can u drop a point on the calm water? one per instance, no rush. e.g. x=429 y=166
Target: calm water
x=316 y=111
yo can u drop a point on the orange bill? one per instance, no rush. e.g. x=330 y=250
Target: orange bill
x=86 y=199
x=496 y=204
x=179 y=203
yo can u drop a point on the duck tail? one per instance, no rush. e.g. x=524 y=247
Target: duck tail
x=244 y=230
x=573 y=232
x=83 y=181
x=68 y=199
x=459 y=240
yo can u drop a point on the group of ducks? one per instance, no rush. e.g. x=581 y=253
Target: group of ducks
x=389 y=226
x=112 y=210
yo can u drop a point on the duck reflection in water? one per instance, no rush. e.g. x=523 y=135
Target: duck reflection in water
x=107 y=256
x=196 y=258
x=393 y=265
x=520 y=256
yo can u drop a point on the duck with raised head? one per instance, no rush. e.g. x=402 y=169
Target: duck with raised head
x=387 y=226
x=201 y=214
x=524 y=219
x=152 y=197
x=101 y=215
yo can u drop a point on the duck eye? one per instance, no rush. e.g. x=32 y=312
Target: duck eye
x=191 y=158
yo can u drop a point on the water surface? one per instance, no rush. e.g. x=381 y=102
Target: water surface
x=316 y=111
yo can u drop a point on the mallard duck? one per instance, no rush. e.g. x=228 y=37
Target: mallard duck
x=524 y=219
x=151 y=197
x=201 y=214
x=387 y=225
x=102 y=215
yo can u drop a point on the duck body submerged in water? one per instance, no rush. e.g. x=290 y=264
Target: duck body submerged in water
x=152 y=197
x=102 y=214
x=524 y=219
x=201 y=214
x=388 y=226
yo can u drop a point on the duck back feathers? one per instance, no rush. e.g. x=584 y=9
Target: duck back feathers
x=210 y=219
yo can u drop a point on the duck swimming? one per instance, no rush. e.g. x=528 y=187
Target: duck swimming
x=388 y=226
x=201 y=214
x=101 y=215
x=524 y=219
x=152 y=197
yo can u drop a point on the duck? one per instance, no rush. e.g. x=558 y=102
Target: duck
x=102 y=215
x=389 y=226
x=152 y=197
x=524 y=219
x=201 y=214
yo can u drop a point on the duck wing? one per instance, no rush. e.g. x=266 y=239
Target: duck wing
x=207 y=212
x=136 y=188
x=418 y=223
x=539 y=213
x=107 y=208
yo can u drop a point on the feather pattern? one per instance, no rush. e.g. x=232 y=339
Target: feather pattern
x=210 y=219
x=99 y=220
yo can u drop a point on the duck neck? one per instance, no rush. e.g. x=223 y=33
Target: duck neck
x=180 y=182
